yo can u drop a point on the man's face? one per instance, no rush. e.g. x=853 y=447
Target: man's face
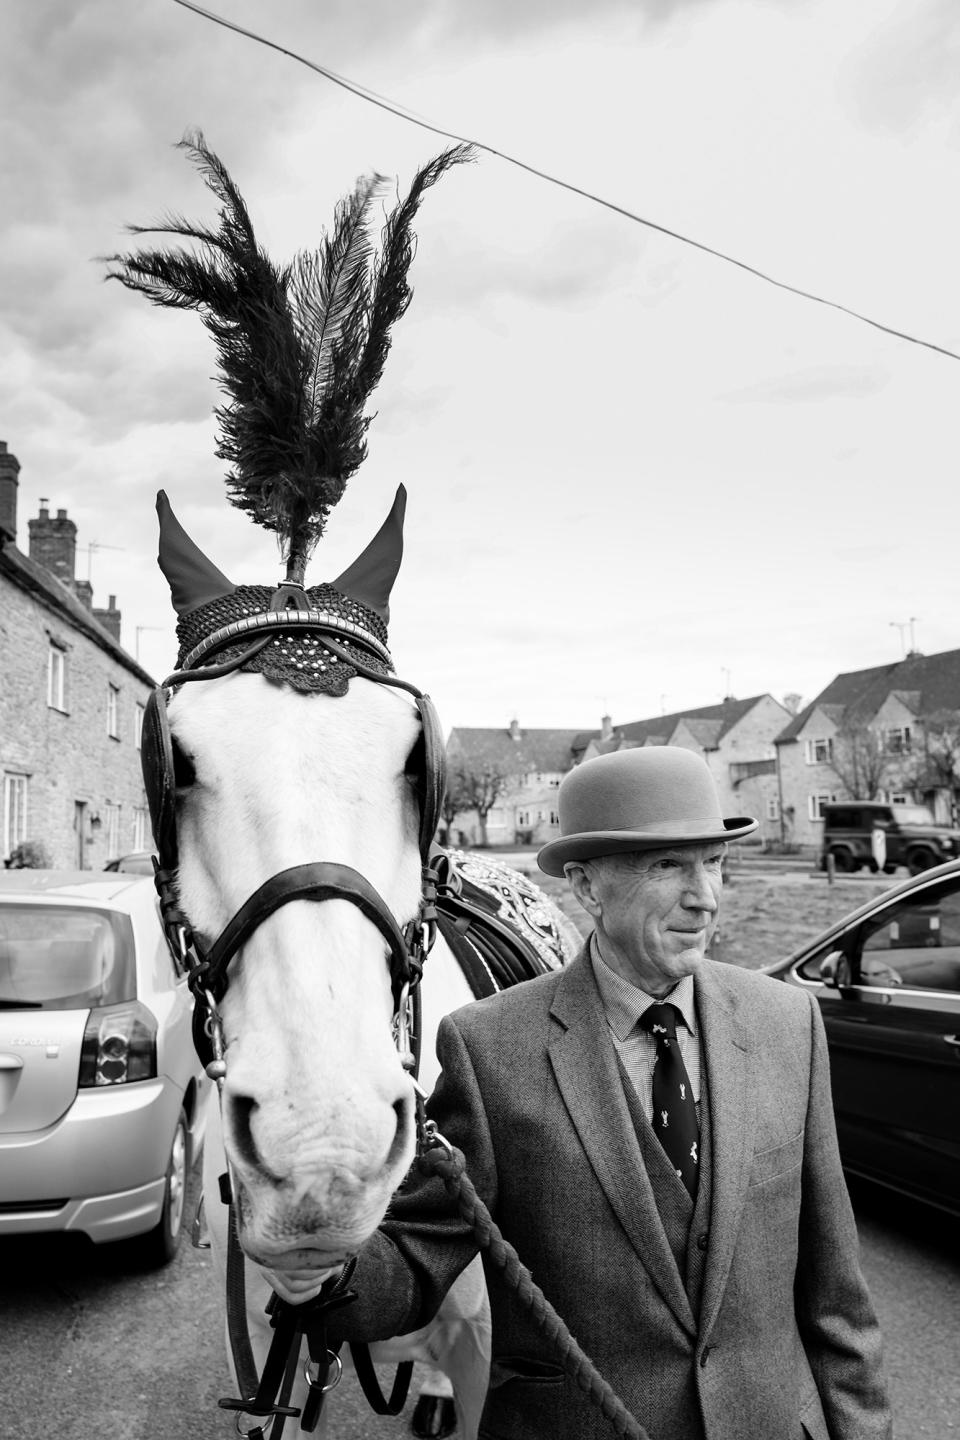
x=655 y=910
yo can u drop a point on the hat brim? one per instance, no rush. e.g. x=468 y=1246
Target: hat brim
x=587 y=846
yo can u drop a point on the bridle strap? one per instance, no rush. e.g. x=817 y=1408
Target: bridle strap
x=317 y=880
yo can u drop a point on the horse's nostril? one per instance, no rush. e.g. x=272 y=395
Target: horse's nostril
x=242 y=1109
x=402 y=1111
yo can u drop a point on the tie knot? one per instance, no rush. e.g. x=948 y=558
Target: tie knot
x=660 y=1019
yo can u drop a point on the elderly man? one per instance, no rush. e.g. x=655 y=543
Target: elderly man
x=653 y=1132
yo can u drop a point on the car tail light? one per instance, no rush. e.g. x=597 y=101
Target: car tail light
x=119 y=1045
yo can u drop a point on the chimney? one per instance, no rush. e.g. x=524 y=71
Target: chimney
x=515 y=731
x=53 y=544
x=84 y=592
x=9 y=470
x=606 y=727
x=109 y=618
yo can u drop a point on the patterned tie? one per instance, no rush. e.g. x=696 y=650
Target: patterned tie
x=674 y=1109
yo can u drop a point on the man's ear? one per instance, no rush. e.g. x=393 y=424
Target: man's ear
x=583 y=885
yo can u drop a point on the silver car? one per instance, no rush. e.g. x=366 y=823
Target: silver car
x=102 y=1097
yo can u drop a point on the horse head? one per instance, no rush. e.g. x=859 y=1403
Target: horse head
x=307 y=752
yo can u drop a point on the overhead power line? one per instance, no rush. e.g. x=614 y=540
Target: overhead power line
x=394 y=108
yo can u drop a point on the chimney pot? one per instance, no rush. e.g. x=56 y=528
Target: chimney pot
x=53 y=544
x=9 y=470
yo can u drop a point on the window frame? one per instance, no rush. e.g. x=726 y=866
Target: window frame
x=113 y=710
x=815 y=802
x=57 y=677
x=15 y=830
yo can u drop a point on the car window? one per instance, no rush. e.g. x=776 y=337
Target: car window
x=58 y=957
x=916 y=944
x=810 y=969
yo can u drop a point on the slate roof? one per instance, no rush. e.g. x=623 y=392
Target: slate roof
x=543 y=750
x=925 y=683
x=659 y=728
x=38 y=582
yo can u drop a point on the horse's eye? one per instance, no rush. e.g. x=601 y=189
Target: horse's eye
x=413 y=770
x=184 y=774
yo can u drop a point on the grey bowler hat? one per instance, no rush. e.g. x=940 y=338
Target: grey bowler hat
x=639 y=799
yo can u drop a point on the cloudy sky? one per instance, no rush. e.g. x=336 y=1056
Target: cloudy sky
x=639 y=478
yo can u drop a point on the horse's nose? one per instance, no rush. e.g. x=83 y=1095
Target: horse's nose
x=270 y=1137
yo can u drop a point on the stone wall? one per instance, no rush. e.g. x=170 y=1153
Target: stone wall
x=75 y=769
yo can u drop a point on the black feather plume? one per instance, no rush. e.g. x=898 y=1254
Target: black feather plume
x=299 y=349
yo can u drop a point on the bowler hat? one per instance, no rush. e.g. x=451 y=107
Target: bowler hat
x=641 y=799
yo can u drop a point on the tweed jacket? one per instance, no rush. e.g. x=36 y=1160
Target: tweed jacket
x=785 y=1342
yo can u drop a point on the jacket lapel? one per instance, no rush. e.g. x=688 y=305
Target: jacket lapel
x=585 y=1065
x=725 y=1045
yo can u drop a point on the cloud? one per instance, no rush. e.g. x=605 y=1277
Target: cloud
x=821 y=382
x=906 y=68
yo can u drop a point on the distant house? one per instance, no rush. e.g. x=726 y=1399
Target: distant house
x=735 y=737
x=888 y=733
x=517 y=772
x=71 y=700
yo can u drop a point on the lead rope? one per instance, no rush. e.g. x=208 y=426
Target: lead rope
x=438 y=1157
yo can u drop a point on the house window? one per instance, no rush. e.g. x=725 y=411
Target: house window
x=112 y=828
x=898 y=741
x=523 y=818
x=14 y=812
x=140 y=837
x=138 y=711
x=56 y=678
x=899 y=798
x=815 y=804
x=819 y=752
x=554 y=817
x=113 y=696
x=773 y=807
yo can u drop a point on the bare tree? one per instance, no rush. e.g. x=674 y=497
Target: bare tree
x=937 y=765
x=479 y=784
x=859 y=760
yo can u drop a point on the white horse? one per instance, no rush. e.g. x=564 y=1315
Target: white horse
x=317 y=1108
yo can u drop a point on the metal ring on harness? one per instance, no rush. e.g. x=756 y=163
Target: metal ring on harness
x=329 y=1384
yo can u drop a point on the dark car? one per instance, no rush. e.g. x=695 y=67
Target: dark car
x=887 y=979
x=908 y=835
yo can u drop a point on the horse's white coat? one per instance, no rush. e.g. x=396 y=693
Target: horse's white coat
x=313 y=1076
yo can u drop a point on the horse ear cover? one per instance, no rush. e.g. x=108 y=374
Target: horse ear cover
x=370 y=578
x=156 y=760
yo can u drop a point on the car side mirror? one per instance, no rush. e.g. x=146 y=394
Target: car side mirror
x=835 y=970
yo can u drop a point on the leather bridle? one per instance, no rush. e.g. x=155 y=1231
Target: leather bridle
x=206 y=968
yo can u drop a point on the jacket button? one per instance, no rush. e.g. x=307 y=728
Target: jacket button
x=702 y=1240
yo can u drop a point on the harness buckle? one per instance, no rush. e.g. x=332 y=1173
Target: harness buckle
x=402 y=1025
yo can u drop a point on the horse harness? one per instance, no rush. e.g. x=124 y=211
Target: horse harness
x=491 y=955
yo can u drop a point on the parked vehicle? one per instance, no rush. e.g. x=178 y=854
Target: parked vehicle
x=887 y=979
x=908 y=835
x=101 y=1093
x=138 y=862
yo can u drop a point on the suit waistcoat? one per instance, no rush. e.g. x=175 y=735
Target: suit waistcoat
x=685 y=1223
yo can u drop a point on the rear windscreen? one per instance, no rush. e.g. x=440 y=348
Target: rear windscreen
x=55 y=957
